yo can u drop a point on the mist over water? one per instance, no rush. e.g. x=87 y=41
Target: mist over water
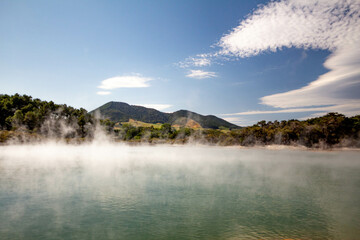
x=116 y=191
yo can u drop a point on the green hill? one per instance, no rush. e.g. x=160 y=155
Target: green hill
x=208 y=121
x=123 y=112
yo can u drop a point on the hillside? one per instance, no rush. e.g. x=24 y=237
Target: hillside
x=208 y=121
x=123 y=112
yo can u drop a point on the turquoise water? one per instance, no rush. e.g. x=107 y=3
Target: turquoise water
x=170 y=192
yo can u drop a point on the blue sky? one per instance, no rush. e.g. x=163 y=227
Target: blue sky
x=244 y=61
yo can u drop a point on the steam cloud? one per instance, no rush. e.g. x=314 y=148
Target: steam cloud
x=52 y=189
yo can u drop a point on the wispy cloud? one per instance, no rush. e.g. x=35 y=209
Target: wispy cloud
x=235 y=120
x=103 y=93
x=201 y=61
x=289 y=110
x=239 y=121
x=350 y=108
x=200 y=74
x=127 y=81
x=332 y=25
x=159 y=107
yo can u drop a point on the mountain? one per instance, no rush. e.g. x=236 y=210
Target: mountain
x=123 y=112
x=208 y=121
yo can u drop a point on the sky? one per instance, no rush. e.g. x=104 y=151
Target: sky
x=244 y=61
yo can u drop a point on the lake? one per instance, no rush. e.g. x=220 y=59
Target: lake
x=114 y=191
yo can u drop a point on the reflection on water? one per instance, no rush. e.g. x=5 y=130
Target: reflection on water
x=171 y=192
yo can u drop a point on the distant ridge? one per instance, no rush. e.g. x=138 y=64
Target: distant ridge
x=122 y=112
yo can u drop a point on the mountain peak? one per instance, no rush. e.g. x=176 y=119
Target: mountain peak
x=122 y=112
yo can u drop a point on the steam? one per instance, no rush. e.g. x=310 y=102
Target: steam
x=102 y=186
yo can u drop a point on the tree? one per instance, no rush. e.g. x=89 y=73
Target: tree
x=30 y=120
x=81 y=122
x=17 y=119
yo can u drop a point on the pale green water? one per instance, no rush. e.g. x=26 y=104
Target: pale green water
x=119 y=192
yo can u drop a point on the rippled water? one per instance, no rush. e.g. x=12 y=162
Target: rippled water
x=170 y=192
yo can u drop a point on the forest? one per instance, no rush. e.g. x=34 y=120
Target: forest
x=25 y=119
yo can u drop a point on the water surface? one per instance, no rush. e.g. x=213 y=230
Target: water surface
x=113 y=191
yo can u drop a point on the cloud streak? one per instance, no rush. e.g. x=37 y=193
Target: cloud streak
x=127 y=81
x=201 y=60
x=351 y=107
x=200 y=74
x=103 y=93
x=159 y=107
x=332 y=25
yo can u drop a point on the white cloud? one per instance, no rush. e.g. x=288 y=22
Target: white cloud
x=350 y=108
x=200 y=74
x=129 y=81
x=200 y=60
x=159 y=107
x=103 y=93
x=332 y=25
x=239 y=121
x=235 y=120
x=289 y=110
x=318 y=24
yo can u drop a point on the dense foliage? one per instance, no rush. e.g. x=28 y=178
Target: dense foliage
x=330 y=130
x=22 y=115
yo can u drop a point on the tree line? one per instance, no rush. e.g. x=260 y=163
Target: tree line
x=25 y=116
x=22 y=113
